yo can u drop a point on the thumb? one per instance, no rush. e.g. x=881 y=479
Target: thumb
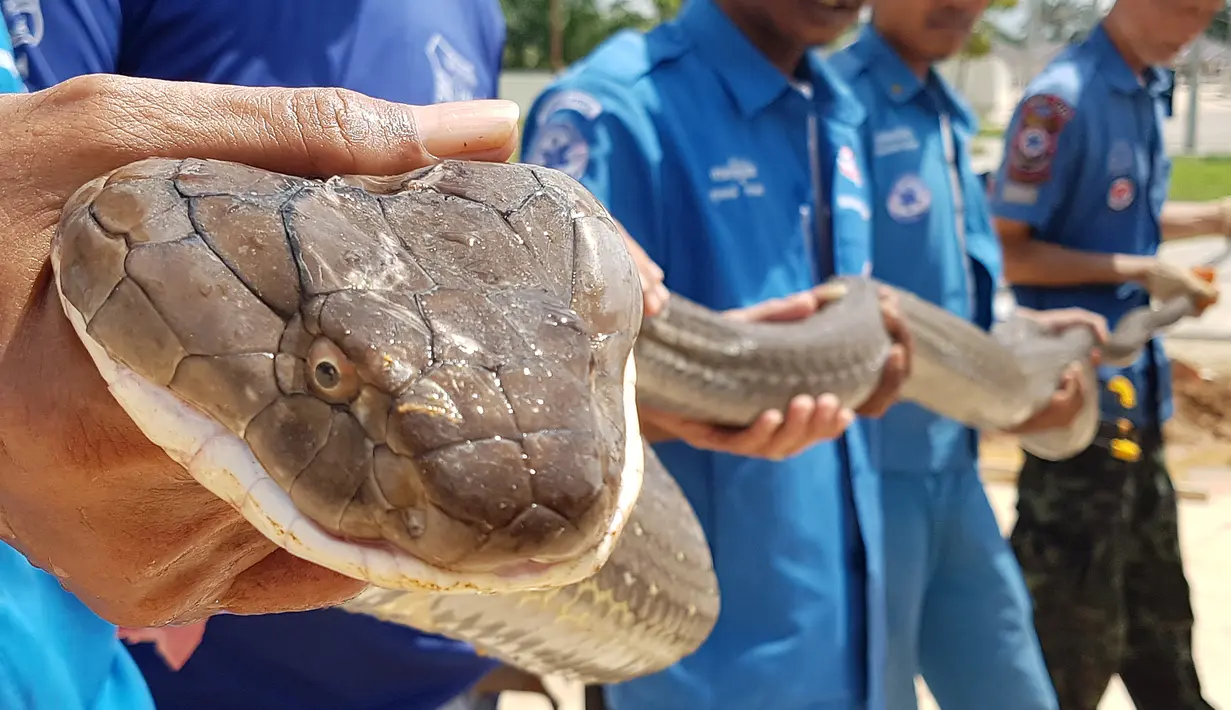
x=308 y=132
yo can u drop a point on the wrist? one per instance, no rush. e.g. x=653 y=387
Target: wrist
x=1224 y=216
x=1132 y=267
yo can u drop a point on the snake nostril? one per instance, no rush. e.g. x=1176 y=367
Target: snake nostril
x=415 y=521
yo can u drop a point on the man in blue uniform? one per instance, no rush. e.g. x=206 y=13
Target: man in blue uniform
x=957 y=608
x=730 y=153
x=1079 y=205
x=411 y=51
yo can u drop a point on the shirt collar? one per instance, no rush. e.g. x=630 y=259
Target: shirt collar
x=750 y=79
x=899 y=83
x=1119 y=74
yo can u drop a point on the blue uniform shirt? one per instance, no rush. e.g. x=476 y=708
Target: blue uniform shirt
x=701 y=148
x=413 y=51
x=54 y=651
x=10 y=78
x=918 y=245
x=1085 y=167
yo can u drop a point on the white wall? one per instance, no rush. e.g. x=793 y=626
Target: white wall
x=987 y=84
x=523 y=86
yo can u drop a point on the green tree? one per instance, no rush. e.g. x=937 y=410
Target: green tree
x=980 y=42
x=586 y=23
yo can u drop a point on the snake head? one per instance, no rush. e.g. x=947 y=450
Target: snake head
x=423 y=380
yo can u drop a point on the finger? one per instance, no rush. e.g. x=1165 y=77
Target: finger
x=645 y=264
x=1069 y=387
x=311 y=132
x=827 y=293
x=796 y=429
x=830 y=419
x=654 y=300
x=750 y=441
x=895 y=325
x=893 y=376
x=793 y=307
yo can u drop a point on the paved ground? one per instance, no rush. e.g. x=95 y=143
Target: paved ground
x=1206 y=534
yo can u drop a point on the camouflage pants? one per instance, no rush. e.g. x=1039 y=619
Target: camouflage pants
x=1098 y=542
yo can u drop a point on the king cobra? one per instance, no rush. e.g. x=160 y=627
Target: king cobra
x=428 y=382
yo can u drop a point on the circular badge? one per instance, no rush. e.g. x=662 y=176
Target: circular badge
x=561 y=146
x=1033 y=143
x=909 y=199
x=1121 y=194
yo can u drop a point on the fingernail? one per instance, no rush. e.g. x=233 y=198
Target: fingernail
x=459 y=128
x=661 y=292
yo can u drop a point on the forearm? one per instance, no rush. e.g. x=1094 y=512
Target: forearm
x=1182 y=220
x=1036 y=263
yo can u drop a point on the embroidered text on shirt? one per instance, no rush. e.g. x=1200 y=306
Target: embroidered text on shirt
x=895 y=140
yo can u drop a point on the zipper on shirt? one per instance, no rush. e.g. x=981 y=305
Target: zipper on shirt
x=820 y=235
x=959 y=206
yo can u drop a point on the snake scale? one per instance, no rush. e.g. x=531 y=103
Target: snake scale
x=428 y=382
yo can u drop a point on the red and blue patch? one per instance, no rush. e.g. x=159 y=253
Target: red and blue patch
x=1033 y=147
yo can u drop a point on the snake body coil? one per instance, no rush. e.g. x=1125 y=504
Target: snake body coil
x=427 y=382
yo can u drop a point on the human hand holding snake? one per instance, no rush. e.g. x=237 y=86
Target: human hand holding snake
x=83 y=494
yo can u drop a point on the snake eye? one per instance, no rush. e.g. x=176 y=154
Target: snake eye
x=330 y=373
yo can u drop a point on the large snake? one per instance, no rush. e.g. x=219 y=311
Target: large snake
x=428 y=382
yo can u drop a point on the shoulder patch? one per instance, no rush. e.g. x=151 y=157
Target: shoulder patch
x=584 y=104
x=848 y=166
x=560 y=145
x=1033 y=146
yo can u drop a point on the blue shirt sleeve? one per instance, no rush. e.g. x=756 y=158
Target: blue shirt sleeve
x=499 y=37
x=602 y=137
x=1042 y=156
x=55 y=40
x=10 y=78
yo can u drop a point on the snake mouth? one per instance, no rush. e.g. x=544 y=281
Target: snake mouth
x=224 y=463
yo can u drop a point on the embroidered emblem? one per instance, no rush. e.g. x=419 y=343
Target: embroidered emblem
x=571 y=100
x=848 y=166
x=455 y=77
x=909 y=199
x=561 y=146
x=1033 y=146
x=1121 y=193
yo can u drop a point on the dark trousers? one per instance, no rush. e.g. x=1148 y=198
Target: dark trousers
x=594 y=698
x=1098 y=541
